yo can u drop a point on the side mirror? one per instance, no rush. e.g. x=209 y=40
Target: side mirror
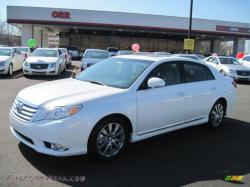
x=156 y=82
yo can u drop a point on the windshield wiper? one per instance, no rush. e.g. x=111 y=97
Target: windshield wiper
x=96 y=82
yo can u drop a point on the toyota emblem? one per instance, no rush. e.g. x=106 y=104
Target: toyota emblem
x=19 y=107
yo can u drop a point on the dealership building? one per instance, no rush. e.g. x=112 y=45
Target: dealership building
x=101 y=29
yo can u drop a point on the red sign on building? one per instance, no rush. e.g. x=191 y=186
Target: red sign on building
x=60 y=14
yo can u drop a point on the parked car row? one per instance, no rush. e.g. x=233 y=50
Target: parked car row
x=42 y=61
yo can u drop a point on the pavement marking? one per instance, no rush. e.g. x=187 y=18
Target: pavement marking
x=19 y=74
x=74 y=71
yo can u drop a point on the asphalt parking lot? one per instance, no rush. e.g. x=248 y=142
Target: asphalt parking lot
x=194 y=156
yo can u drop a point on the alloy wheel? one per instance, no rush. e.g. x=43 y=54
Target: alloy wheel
x=10 y=70
x=217 y=114
x=110 y=139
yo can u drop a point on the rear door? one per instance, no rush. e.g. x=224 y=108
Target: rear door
x=200 y=90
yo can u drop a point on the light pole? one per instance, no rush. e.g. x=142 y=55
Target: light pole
x=190 y=19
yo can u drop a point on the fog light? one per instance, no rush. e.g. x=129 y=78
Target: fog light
x=55 y=146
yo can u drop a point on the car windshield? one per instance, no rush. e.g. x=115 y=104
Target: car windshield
x=5 y=52
x=112 y=50
x=189 y=56
x=96 y=54
x=22 y=49
x=201 y=57
x=232 y=61
x=125 y=52
x=45 y=53
x=115 y=72
x=63 y=50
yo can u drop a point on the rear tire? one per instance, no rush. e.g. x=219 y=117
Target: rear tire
x=108 y=139
x=217 y=114
x=10 y=70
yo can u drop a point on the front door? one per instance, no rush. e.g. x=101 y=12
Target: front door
x=159 y=108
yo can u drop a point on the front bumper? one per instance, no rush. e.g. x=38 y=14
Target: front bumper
x=49 y=71
x=3 y=70
x=69 y=132
x=240 y=78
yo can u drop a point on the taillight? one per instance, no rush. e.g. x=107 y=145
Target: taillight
x=65 y=57
x=234 y=84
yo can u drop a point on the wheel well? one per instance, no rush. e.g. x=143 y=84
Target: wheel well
x=121 y=116
x=222 y=99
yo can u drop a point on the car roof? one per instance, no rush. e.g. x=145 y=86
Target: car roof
x=96 y=50
x=156 y=58
x=55 y=49
x=185 y=54
x=225 y=57
x=21 y=46
x=1 y=47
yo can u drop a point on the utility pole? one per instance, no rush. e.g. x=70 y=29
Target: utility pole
x=190 y=19
x=190 y=23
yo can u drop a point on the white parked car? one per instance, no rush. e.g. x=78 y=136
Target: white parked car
x=44 y=61
x=26 y=51
x=245 y=61
x=121 y=99
x=67 y=56
x=229 y=66
x=10 y=60
x=93 y=56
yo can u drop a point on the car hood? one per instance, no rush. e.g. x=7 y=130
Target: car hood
x=3 y=58
x=36 y=59
x=236 y=67
x=64 y=92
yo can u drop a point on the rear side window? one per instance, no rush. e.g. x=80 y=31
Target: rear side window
x=195 y=72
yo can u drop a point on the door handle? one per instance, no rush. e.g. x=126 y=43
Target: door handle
x=181 y=94
x=213 y=88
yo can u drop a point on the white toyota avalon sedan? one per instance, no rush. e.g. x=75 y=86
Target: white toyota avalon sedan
x=120 y=100
x=45 y=61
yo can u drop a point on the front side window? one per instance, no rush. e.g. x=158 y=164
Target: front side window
x=168 y=71
x=115 y=72
x=45 y=53
x=194 y=72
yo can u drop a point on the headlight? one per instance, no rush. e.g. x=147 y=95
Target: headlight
x=53 y=65
x=26 y=63
x=2 y=63
x=57 y=113
x=232 y=71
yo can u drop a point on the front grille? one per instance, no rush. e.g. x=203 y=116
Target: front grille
x=243 y=73
x=24 y=137
x=23 y=111
x=39 y=66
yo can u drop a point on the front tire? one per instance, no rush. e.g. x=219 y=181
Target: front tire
x=10 y=70
x=217 y=114
x=108 y=139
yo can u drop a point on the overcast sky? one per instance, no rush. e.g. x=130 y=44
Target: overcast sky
x=228 y=10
